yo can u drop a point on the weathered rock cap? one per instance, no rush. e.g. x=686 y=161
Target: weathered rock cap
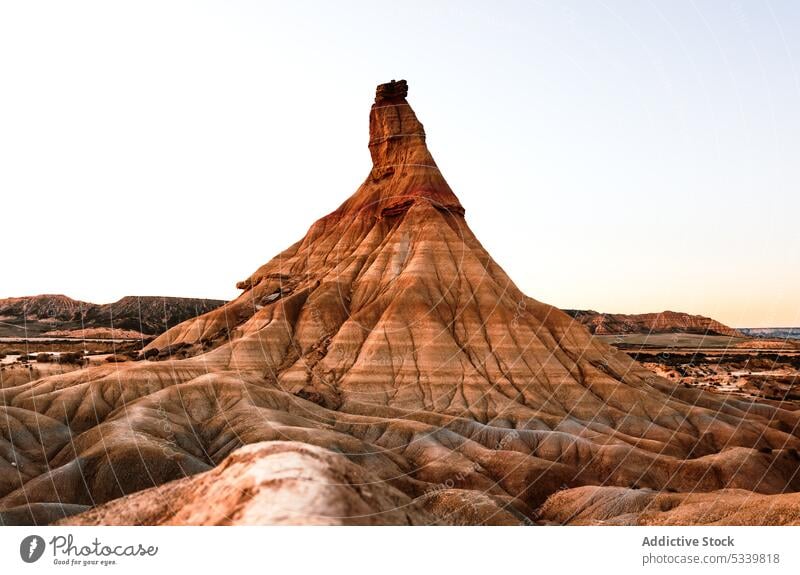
x=393 y=90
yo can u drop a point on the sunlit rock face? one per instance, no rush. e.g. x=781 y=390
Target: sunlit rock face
x=389 y=337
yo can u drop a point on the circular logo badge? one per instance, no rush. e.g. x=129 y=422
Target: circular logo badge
x=31 y=548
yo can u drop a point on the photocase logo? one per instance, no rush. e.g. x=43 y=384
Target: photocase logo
x=31 y=548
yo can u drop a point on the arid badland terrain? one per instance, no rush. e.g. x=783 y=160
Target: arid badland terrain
x=133 y=317
x=385 y=370
x=52 y=334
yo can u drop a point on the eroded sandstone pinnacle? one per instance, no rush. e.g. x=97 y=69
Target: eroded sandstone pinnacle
x=391 y=357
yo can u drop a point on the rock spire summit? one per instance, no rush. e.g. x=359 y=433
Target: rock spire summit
x=403 y=169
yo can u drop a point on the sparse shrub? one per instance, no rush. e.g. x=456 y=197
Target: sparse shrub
x=149 y=353
x=43 y=358
x=73 y=357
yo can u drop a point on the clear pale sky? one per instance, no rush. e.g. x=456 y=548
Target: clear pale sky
x=620 y=156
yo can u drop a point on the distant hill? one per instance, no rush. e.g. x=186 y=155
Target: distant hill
x=772 y=332
x=42 y=307
x=131 y=316
x=663 y=322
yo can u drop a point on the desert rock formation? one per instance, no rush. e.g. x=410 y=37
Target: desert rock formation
x=387 y=336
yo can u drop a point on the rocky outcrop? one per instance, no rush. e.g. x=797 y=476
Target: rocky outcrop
x=650 y=323
x=393 y=91
x=291 y=483
x=273 y=483
x=387 y=335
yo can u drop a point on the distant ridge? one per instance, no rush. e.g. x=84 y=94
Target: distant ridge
x=664 y=322
x=61 y=316
x=772 y=332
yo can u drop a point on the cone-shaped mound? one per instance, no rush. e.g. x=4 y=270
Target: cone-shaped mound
x=390 y=336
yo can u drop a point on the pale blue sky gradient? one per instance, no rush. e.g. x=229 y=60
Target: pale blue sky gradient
x=620 y=156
